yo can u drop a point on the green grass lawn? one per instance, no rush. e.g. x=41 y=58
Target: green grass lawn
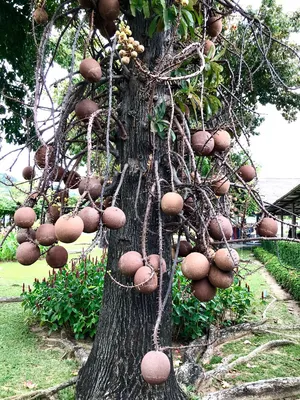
x=23 y=357
x=13 y=274
x=278 y=362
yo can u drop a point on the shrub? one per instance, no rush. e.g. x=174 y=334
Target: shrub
x=287 y=252
x=287 y=276
x=69 y=299
x=192 y=318
x=9 y=247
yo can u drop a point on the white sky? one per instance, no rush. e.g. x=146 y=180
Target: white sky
x=276 y=150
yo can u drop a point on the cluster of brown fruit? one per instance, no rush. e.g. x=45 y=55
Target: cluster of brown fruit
x=214 y=27
x=129 y=48
x=67 y=229
x=64 y=228
x=106 y=12
x=206 y=277
x=45 y=158
x=144 y=273
x=204 y=143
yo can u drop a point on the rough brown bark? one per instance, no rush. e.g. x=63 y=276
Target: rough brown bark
x=127 y=318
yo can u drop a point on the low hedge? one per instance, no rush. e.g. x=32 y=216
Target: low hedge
x=287 y=252
x=287 y=276
x=71 y=299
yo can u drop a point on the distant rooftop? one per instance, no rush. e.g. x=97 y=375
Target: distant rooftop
x=272 y=189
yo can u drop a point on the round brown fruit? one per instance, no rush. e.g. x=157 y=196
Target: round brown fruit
x=40 y=16
x=90 y=69
x=45 y=234
x=215 y=230
x=109 y=9
x=114 y=218
x=155 y=367
x=214 y=26
x=145 y=274
x=222 y=140
x=45 y=153
x=72 y=179
x=57 y=174
x=28 y=173
x=171 y=203
x=85 y=108
x=53 y=213
x=220 y=279
x=91 y=219
x=247 y=173
x=25 y=235
x=202 y=143
x=195 y=266
x=130 y=262
x=27 y=253
x=203 y=290
x=185 y=248
x=153 y=260
x=24 y=217
x=267 y=227
x=91 y=185
x=209 y=47
x=221 y=186
x=57 y=257
x=68 y=228
x=226 y=260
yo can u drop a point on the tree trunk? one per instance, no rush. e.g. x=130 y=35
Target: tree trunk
x=127 y=319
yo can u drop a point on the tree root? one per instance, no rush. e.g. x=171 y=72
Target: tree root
x=271 y=389
x=44 y=393
x=71 y=349
x=222 y=369
x=11 y=299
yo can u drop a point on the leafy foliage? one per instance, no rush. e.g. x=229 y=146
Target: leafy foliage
x=191 y=318
x=9 y=248
x=286 y=252
x=286 y=275
x=69 y=298
x=282 y=65
x=7 y=207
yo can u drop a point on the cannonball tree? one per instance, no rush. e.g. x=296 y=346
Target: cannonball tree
x=155 y=115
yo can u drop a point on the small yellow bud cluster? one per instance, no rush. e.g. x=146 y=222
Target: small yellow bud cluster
x=129 y=48
x=183 y=3
x=39 y=3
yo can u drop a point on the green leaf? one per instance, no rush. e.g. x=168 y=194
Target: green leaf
x=183 y=28
x=153 y=26
x=146 y=9
x=220 y=54
x=188 y=17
